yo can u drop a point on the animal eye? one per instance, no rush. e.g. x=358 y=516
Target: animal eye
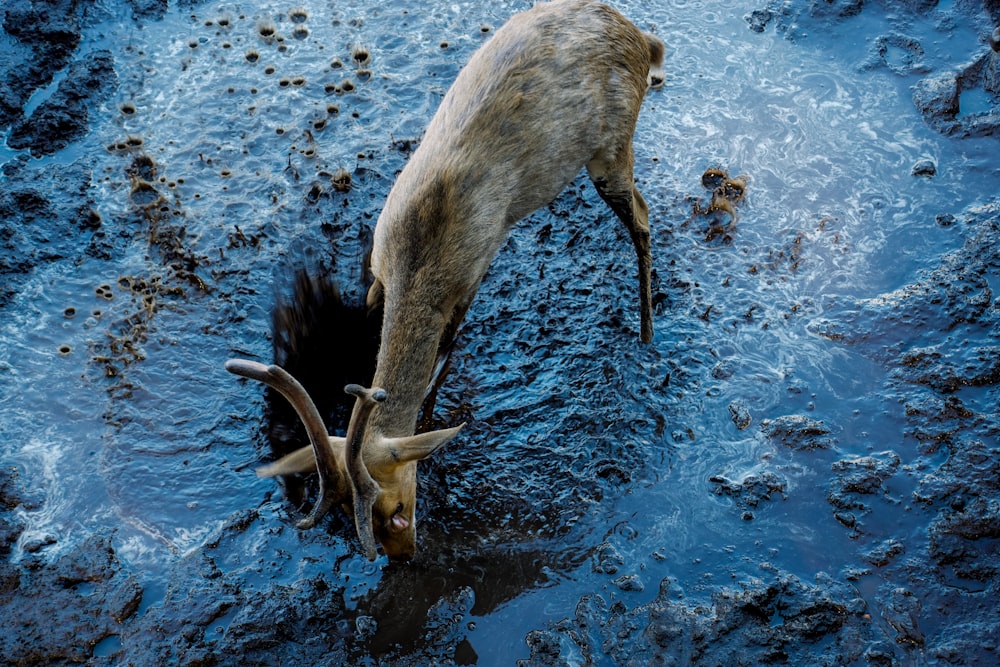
x=399 y=508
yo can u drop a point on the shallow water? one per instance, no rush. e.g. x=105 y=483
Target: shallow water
x=588 y=461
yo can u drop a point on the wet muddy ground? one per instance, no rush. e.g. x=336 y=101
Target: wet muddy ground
x=802 y=468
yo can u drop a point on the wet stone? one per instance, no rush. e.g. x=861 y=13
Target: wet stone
x=630 y=583
x=607 y=559
x=924 y=168
x=740 y=415
x=901 y=614
x=797 y=432
x=751 y=490
x=883 y=553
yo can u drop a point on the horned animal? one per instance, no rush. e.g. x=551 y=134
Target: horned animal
x=557 y=88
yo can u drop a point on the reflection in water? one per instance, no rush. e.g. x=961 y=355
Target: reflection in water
x=476 y=581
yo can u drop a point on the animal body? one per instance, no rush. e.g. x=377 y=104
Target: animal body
x=556 y=89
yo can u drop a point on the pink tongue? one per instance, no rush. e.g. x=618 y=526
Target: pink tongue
x=399 y=522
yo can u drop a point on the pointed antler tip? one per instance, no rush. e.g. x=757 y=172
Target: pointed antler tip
x=245 y=367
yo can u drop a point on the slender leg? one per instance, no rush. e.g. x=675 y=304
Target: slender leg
x=615 y=184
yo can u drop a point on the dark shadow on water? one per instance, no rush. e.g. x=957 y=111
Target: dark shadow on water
x=326 y=342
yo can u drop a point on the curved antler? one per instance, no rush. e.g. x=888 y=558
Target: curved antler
x=330 y=476
x=366 y=489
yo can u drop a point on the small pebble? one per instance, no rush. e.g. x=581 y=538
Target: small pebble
x=924 y=168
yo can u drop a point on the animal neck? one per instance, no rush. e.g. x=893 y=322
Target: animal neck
x=411 y=336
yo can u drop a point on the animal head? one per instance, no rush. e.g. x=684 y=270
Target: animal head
x=373 y=475
x=392 y=462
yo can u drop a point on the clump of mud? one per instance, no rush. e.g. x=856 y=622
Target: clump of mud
x=774 y=618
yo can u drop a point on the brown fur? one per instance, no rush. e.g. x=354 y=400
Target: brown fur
x=556 y=89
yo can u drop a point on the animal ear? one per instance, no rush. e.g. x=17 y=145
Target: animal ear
x=376 y=294
x=300 y=461
x=417 y=447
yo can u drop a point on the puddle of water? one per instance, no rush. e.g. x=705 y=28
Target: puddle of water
x=975 y=101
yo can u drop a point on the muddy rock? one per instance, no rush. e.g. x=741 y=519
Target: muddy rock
x=977 y=367
x=991 y=68
x=861 y=476
x=751 y=490
x=883 y=553
x=740 y=415
x=47 y=34
x=607 y=559
x=11 y=527
x=924 y=168
x=66 y=606
x=64 y=116
x=180 y=628
x=938 y=98
x=898 y=52
x=901 y=614
x=296 y=623
x=53 y=23
x=794 y=19
x=972 y=469
x=784 y=619
x=935 y=419
x=965 y=538
x=797 y=432
x=956 y=292
x=151 y=9
x=779 y=619
x=26 y=206
x=12 y=491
